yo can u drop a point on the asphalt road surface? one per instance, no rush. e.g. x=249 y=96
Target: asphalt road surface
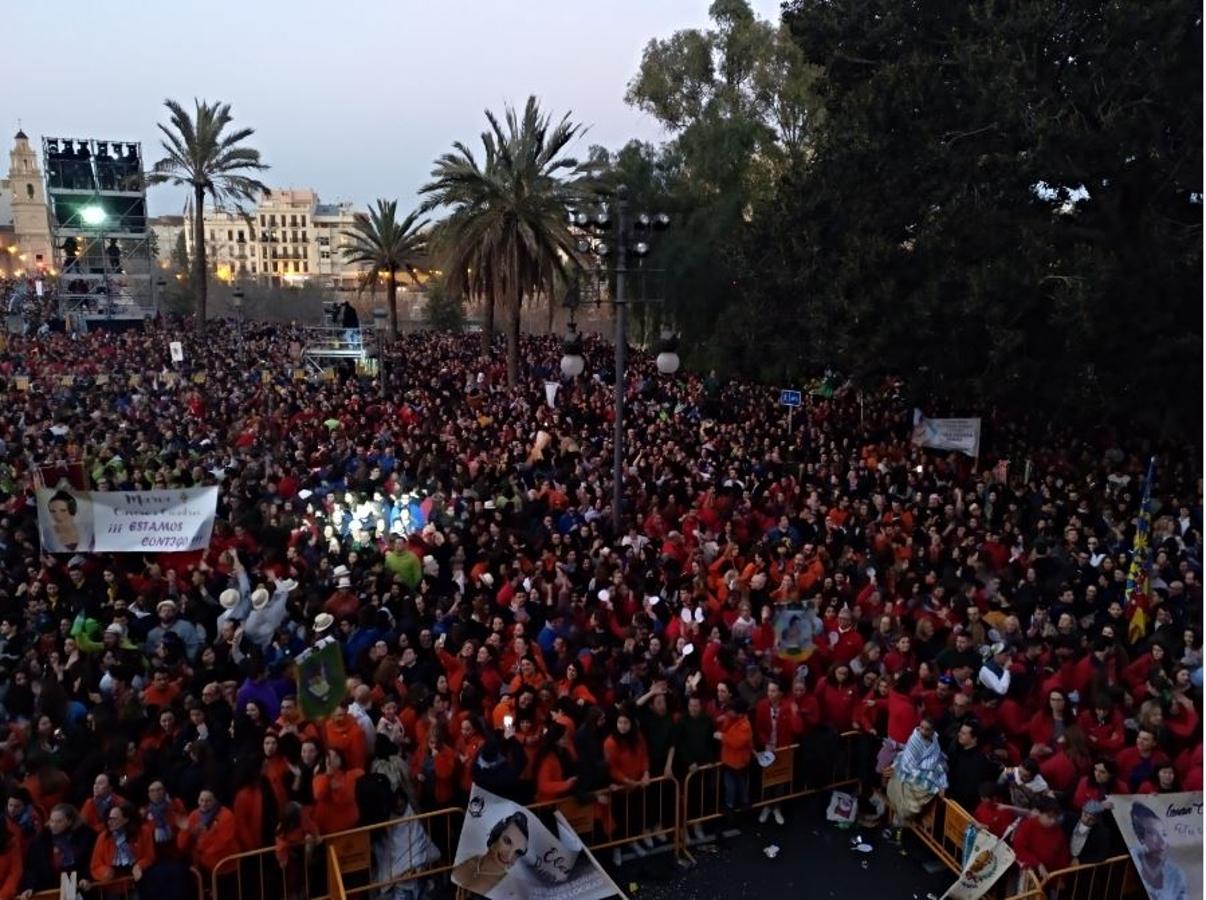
x=815 y=859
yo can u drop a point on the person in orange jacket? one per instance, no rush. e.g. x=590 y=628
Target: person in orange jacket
x=736 y=736
x=335 y=795
x=627 y=758
x=555 y=765
x=124 y=848
x=343 y=733
x=96 y=808
x=208 y=833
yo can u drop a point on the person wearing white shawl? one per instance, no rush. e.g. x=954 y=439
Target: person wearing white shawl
x=918 y=774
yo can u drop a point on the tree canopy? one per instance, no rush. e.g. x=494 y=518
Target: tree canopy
x=1004 y=196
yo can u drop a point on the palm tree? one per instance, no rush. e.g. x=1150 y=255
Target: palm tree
x=388 y=246
x=507 y=218
x=203 y=155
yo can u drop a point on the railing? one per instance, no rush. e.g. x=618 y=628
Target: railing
x=117 y=889
x=1114 y=877
x=368 y=859
x=620 y=815
x=782 y=780
x=942 y=826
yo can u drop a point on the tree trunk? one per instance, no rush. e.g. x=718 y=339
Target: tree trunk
x=200 y=276
x=487 y=322
x=516 y=298
x=552 y=310
x=391 y=293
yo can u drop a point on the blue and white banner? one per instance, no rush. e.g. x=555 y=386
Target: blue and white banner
x=173 y=521
x=960 y=435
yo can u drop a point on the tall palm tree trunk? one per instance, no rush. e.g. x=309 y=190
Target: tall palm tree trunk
x=516 y=298
x=200 y=281
x=487 y=322
x=391 y=293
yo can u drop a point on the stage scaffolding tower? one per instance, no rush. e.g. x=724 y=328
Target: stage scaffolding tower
x=97 y=204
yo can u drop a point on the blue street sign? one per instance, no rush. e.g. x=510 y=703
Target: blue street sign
x=789 y=398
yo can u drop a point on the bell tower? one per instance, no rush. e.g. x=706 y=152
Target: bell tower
x=27 y=195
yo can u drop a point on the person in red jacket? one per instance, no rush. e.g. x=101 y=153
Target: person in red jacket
x=1102 y=780
x=1102 y=727
x=776 y=725
x=11 y=865
x=992 y=812
x=96 y=808
x=1040 y=843
x=838 y=698
x=124 y=848
x=845 y=643
x=208 y=833
x=1138 y=763
x=1048 y=725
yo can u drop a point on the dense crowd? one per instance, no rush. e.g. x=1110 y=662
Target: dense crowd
x=969 y=621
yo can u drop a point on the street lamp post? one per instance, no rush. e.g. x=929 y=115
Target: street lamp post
x=629 y=237
x=236 y=300
x=379 y=317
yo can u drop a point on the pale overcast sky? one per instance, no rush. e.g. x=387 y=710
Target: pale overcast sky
x=354 y=98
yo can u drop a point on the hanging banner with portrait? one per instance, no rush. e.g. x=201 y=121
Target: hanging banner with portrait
x=171 y=521
x=1164 y=835
x=506 y=853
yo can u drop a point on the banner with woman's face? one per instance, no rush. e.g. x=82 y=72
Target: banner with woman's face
x=506 y=853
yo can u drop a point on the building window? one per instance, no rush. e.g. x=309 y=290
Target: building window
x=29 y=191
x=272 y=219
x=306 y=267
x=263 y=221
x=253 y=268
x=274 y=267
x=304 y=238
x=303 y=218
x=296 y=268
x=211 y=234
x=229 y=234
x=242 y=240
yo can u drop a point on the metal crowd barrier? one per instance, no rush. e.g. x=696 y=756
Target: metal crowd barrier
x=621 y=815
x=118 y=889
x=942 y=827
x=343 y=866
x=1114 y=877
x=787 y=778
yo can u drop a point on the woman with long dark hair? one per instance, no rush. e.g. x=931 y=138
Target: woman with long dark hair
x=628 y=765
x=556 y=765
x=255 y=805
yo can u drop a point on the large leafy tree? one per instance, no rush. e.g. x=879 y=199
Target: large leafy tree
x=739 y=100
x=387 y=246
x=1007 y=194
x=207 y=155
x=507 y=214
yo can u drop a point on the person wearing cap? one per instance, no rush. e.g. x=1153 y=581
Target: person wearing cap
x=1091 y=838
x=267 y=613
x=994 y=673
x=170 y=623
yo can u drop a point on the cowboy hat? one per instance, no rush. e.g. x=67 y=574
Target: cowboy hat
x=341 y=571
x=259 y=598
x=344 y=582
x=287 y=585
x=323 y=621
x=162 y=603
x=228 y=598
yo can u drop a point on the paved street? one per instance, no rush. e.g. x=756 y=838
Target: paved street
x=815 y=860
